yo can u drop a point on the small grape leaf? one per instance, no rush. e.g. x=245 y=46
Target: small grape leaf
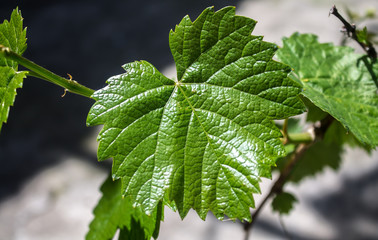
x=283 y=203
x=113 y=212
x=338 y=81
x=204 y=140
x=362 y=36
x=12 y=36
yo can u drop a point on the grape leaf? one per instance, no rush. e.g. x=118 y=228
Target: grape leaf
x=113 y=212
x=338 y=81
x=12 y=36
x=205 y=139
x=339 y=134
x=283 y=202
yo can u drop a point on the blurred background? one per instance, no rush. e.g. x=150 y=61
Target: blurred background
x=49 y=174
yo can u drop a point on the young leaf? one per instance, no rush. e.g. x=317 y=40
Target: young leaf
x=338 y=81
x=205 y=139
x=113 y=212
x=363 y=36
x=12 y=36
x=283 y=203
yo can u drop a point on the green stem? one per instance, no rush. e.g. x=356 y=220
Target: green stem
x=42 y=73
x=284 y=131
x=304 y=137
x=36 y=75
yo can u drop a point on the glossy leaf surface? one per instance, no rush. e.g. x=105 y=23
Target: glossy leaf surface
x=12 y=36
x=204 y=140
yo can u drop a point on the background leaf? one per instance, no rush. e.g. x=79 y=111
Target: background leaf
x=113 y=212
x=13 y=36
x=205 y=139
x=283 y=203
x=338 y=81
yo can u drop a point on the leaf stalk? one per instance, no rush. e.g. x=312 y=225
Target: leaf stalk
x=44 y=74
x=297 y=138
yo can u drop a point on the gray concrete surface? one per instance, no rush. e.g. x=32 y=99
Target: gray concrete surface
x=57 y=202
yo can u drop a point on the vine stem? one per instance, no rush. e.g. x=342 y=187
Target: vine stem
x=285 y=173
x=44 y=74
x=351 y=31
x=278 y=184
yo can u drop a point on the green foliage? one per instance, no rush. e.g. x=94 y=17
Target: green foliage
x=283 y=202
x=205 y=139
x=336 y=132
x=338 y=81
x=113 y=212
x=12 y=36
x=362 y=36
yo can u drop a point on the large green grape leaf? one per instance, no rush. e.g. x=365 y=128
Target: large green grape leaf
x=12 y=36
x=338 y=81
x=113 y=212
x=204 y=140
